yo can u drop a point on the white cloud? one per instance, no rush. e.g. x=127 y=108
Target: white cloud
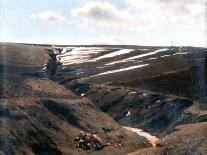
x=109 y=40
x=105 y=14
x=139 y=14
x=171 y=12
x=49 y=16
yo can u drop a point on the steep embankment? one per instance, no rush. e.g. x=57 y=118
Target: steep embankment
x=39 y=116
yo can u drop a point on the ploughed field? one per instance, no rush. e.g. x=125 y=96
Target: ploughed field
x=153 y=99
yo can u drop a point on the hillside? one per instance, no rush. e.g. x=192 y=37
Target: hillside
x=124 y=94
x=155 y=89
x=42 y=117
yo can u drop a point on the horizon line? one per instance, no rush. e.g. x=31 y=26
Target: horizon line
x=56 y=44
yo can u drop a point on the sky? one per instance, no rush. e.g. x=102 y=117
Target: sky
x=134 y=22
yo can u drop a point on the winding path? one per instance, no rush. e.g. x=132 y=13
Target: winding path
x=152 y=139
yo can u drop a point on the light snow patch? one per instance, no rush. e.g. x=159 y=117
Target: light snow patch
x=147 y=54
x=79 y=73
x=181 y=53
x=158 y=101
x=132 y=92
x=165 y=56
x=143 y=49
x=152 y=58
x=128 y=114
x=144 y=94
x=120 y=70
x=113 y=54
x=139 y=56
x=78 y=55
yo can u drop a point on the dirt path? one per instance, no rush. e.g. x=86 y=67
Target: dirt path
x=152 y=139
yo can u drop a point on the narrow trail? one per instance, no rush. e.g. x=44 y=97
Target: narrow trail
x=152 y=139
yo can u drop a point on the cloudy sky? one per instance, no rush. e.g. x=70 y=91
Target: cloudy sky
x=140 y=22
